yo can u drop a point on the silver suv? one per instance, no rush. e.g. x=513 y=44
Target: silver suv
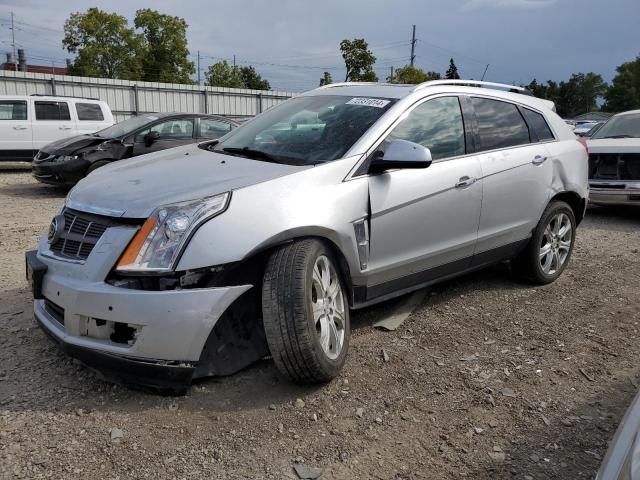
x=201 y=259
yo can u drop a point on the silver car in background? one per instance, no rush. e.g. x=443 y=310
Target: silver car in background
x=199 y=260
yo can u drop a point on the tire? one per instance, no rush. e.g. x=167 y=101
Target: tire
x=303 y=349
x=551 y=235
x=96 y=165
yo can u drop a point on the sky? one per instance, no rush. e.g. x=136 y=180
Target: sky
x=292 y=42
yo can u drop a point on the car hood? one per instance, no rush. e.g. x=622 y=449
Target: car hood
x=68 y=146
x=614 y=145
x=135 y=187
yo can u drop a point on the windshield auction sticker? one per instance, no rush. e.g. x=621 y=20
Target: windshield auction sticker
x=368 y=102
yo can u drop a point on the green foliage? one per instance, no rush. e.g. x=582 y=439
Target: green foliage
x=624 y=93
x=222 y=74
x=452 y=71
x=252 y=79
x=165 y=53
x=573 y=97
x=104 y=44
x=412 y=75
x=358 y=60
x=326 y=79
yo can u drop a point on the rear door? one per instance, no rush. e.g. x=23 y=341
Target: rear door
x=516 y=177
x=15 y=130
x=424 y=222
x=52 y=121
x=172 y=133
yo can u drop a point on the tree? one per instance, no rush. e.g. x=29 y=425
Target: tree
x=577 y=95
x=358 y=60
x=412 y=75
x=326 y=79
x=222 y=74
x=104 y=44
x=252 y=79
x=165 y=53
x=452 y=71
x=624 y=92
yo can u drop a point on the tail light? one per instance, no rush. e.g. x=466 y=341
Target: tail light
x=583 y=141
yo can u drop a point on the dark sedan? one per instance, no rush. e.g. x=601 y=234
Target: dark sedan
x=67 y=161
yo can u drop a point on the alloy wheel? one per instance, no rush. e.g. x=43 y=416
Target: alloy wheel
x=555 y=244
x=327 y=302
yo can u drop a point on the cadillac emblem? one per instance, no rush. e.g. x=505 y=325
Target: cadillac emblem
x=55 y=229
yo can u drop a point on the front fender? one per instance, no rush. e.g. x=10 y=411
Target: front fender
x=314 y=202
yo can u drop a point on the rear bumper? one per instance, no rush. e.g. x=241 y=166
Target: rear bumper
x=618 y=192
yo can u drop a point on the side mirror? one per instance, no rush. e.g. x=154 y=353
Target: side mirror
x=151 y=137
x=401 y=154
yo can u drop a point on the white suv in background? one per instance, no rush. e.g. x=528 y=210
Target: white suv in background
x=29 y=122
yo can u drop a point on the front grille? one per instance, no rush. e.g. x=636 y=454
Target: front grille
x=56 y=311
x=81 y=233
x=614 y=166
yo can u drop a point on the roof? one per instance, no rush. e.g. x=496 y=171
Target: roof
x=629 y=112
x=397 y=91
x=37 y=68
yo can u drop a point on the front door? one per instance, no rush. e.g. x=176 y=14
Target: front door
x=15 y=131
x=172 y=133
x=424 y=222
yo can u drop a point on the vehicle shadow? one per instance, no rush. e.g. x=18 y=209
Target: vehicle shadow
x=624 y=216
x=561 y=444
x=34 y=190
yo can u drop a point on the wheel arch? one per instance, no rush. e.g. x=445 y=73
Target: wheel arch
x=574 y=200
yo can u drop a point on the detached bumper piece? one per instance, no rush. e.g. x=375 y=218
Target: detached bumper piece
x=160 y=377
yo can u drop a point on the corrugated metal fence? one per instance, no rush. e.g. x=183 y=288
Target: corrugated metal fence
x=127 y=98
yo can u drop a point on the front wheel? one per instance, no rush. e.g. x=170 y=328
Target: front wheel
x=551 y=245
x=305 y=312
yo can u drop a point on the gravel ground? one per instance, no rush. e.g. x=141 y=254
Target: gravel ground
x=487 y=379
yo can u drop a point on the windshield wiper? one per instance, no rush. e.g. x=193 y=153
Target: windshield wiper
x=619 y=136
x=251 y=153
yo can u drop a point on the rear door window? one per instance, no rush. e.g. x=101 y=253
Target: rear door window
x=181 y=129
x=538 y=126
x=13 y=110
x=500 y=124
x=52 y=110
x=89 y=111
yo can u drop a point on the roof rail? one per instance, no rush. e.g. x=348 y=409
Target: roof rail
x=356 y=84
x=474 y=83
x=62 y=96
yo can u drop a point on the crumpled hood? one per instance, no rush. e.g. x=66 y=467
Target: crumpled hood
x=614 y=145
x=135 y=187
x=69 y=146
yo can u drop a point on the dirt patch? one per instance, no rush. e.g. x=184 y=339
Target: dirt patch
x=486 y=379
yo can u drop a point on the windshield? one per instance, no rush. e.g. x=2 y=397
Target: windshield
x=620 y=126
x=126 y=126
x=306 y=130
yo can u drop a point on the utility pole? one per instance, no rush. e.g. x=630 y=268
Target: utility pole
x=391 y=75
x=413 y=46
x=13 y=44
x=199 y=68
x=234 y=62
x=485 y=72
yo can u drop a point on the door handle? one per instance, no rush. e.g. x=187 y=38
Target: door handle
x=465 y=182
x=19 y=127
x=539 y=160
x=64 y=128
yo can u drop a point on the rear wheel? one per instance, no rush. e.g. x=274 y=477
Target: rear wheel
x=305 y=310
x=550 y=248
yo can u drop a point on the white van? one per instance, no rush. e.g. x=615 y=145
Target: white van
x=29 y=122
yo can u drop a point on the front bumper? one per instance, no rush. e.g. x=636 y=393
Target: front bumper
x=65 y=173
x=86 y=315
x=614 y=192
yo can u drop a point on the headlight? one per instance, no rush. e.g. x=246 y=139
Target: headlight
x=156 y=246
x=64 y=158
